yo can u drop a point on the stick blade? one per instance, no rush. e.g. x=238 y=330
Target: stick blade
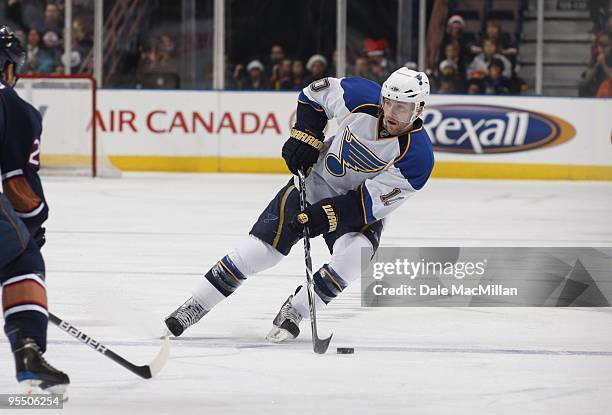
x=320 y=345
x=162 y=357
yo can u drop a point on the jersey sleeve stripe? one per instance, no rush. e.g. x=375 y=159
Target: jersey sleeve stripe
x=403 y=154
x=367 y=108
x=366 y=204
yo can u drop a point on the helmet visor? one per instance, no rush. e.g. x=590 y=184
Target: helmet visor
x=400 y=111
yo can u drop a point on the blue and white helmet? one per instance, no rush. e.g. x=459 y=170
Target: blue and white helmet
x=406 y=85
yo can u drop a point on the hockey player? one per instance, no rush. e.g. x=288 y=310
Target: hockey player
x=23 y=210
x=380 y=156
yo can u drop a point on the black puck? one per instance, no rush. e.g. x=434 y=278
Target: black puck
x=345 y=350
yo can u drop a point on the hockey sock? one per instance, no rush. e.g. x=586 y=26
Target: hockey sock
x=343 y=268
x=251 y=256
x=24 y=301
x=327 y=285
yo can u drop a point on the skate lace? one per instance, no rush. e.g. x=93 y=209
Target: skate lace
x=189 y=313
x=290 y=312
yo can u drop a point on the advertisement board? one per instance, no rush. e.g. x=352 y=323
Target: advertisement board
x=473 y=136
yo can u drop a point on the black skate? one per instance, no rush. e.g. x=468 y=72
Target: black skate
x=285 y=324
x=34 y=373
x=186 y=315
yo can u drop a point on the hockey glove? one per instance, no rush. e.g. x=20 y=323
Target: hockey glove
x=326 y=215
x=301 y=150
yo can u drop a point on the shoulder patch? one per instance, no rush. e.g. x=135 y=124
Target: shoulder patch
x=319 y=85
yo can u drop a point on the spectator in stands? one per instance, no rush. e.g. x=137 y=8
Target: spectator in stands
x=39 y=60
x=82 y=43
x=52 y=20
x=297 y=75
x=52 y=43
x=158 y=67
x=316 y=66
x=600 y=13
x=452 y=53
x=230 y=81
x=476 y=86
x=11 y=14
x=479 y=67
x=605 y=89
x=495 y=82
x=276 y=56
x=282 y=76
x=256 y=79
x=449 y=81
x=455 y=33
x=362 y=68
x=445 y=87
x=166 y=59
x=598 y=30
x=376 y=52
x=503 y=42
x=600 y=68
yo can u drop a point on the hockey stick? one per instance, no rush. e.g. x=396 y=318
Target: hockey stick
x=146 y=371
x=319 y=345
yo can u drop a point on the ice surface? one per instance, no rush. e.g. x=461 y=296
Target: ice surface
x=123 y=253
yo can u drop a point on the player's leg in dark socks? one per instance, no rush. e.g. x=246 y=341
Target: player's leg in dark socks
x=24 y=303
x=24 y=298
x=329 y=282
x=269 y=241
x=334 y=277
x=251 y=256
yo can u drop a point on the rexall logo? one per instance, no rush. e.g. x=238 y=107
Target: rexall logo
x=479 y=129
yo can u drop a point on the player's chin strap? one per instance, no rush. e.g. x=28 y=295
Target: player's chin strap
x=319 y=345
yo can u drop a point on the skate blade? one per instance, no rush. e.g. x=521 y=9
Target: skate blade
x=32 y=387
x=278 y=335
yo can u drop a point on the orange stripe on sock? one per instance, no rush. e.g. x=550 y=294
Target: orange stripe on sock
x=24 y=292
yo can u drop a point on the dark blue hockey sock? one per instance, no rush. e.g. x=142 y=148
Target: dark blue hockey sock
x=328 y=284
x=225 y=276
x=24 y=303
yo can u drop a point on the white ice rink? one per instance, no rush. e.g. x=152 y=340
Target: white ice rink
x=123 y=253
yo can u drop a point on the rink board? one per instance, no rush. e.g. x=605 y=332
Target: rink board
x=210 y=131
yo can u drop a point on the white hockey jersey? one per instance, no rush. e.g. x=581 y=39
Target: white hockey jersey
x=385 y=170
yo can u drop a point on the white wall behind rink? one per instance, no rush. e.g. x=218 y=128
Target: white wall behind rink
x=168 y=125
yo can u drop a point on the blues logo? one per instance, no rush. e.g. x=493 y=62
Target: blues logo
x=353 y=155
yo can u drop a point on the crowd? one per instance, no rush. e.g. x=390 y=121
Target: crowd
x=39 y=25
x=471 y=64
x=597 y=79
x=282 y=73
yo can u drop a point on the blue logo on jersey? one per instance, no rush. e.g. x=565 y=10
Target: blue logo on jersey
x=354 y=155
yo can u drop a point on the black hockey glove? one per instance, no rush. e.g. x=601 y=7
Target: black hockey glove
x=326 y=215
x=301 y=150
